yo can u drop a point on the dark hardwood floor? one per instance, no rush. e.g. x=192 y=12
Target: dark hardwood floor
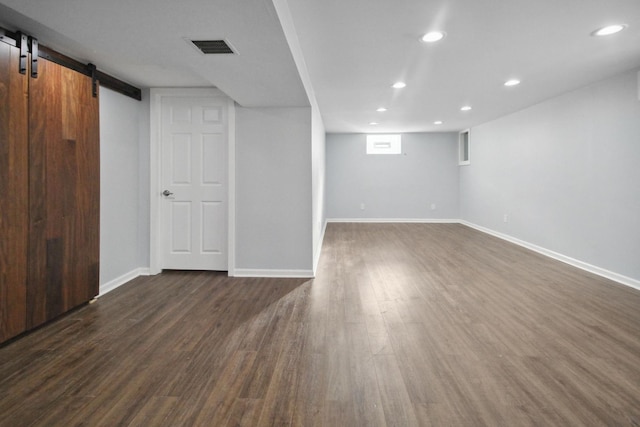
x=404 y=325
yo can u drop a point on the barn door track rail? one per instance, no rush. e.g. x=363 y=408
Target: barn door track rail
x=28 y=44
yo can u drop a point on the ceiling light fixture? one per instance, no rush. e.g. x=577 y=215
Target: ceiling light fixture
x=465 y=108
x=399 y=85
x=438 y=122
x=608 y=30
x=381 y=110
x=374 y=123
x=512 y=82
x=433 y=36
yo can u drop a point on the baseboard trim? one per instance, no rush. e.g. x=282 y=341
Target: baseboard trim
x=396 y=220
x=119 y=281
x=624 y=280
x=251 y=272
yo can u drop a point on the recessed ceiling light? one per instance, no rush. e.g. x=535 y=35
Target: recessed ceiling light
x=438 y=122
x=433 y=36
x=465 y=108
x=399 y=85
x=608 y=30
x=512 y=82
x=381 y=110
x=374 y=123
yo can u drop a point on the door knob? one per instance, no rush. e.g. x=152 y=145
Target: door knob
x=167 y=193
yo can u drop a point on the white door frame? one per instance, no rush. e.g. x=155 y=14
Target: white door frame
x=155 y=175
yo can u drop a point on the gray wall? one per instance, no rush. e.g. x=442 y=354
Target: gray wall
x=566 y=173
x=399 y=186
x=273 y=189
x=119 y=185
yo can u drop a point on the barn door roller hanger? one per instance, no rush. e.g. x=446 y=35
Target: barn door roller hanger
x=27 y=45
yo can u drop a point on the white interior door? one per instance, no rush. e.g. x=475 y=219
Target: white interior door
x=194 y=139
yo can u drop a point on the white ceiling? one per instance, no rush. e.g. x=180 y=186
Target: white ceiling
x=353 y=51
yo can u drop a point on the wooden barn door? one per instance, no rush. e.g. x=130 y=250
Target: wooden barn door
x=64 y=192
x=14 y=179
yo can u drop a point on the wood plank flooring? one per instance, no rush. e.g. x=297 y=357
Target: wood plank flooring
x=404 y=325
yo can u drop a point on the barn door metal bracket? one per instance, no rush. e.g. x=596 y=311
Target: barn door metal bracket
x=23 y=42
x=33 y=47
x=94 y=79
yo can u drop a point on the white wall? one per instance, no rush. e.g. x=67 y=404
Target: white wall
x=273 y=191
x=318 y=219
x=566 y=172
x=401 y=187
x=144 y=176
x=119 y=187
x=318 y=170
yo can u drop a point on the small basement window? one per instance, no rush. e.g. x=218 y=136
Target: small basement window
x=384 y=144
x=464 y=157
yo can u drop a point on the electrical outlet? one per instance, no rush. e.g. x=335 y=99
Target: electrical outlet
x=506 y=218
x=433 y=206
x=361 y=206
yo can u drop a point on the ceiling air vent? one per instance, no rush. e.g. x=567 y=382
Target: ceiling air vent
x=212 y=47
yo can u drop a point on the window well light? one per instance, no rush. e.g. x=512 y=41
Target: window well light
x=465 y=108
x=433 y=36
x=381 y=110
x=608 y=30
x=399 y=85
x=512 y=82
